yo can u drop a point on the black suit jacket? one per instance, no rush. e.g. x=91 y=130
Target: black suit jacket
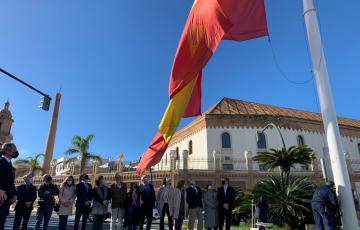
x=148 y=197
x=7 y=184
x=25 y=195
x=229 y=197
x=82 y=196
x=194 y=199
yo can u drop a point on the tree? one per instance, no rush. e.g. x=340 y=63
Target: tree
x=32 y=163
x=285 y=158
x=288 y=198
x=80 y=146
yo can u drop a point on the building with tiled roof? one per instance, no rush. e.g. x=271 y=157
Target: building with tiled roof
x=229 y=129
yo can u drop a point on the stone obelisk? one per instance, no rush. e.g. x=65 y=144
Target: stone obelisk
x=49 y=149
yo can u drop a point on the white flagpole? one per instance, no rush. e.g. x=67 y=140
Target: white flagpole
x=331 y=127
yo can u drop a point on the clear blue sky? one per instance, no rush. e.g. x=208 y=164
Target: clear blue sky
x=112 y=60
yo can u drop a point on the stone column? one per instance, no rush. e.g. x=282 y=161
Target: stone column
x=349 y=166
x=173 y=166
x=49 y=149
x=120 y=163
x=72 y=168
x=249 y=167
x=185 y=165
x=53 y=168
x=95 y=166
x=313 y=165
x=217 y=167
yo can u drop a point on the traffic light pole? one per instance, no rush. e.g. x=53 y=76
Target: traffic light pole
x=24 y=83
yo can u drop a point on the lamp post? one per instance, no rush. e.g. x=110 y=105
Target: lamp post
x=276 y=128
x=45 y=99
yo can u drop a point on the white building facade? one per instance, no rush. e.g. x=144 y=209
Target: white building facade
x=229 y=129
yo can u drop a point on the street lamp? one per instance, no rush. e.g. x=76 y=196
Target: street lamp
x=45 y=99
x=276 y=128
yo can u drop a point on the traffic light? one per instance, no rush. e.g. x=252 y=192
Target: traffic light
x=45 y=103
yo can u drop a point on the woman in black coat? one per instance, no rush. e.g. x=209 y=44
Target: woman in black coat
x=133 y=207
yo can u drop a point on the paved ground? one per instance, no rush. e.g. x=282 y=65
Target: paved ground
x=55 y=220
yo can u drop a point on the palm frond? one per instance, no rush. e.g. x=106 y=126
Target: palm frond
x=95 y=158
x=37 y=156
x=71 y=150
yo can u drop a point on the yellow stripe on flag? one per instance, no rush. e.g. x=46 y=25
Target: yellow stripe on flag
x=175 y=111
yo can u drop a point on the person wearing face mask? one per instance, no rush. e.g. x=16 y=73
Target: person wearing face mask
x=180 y=205
x=118 y=192
x=226 y=199
x=7 y=185
x=66 y=201
x=101 y=198
x=211 y=208
x=195 y=203
x=147 y=202
x=26 y=197
x=165 y=203
x=46 y=202
x=83 y=193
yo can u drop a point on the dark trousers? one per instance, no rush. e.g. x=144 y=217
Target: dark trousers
x=179 y=222
x=23 y=215
x=165 y=209
x=98 y=223
x=2 y=222
x=85 y=215
x=146 y=212
x=323 y=219
x=43 y=214
x=223 y=213
x=62 y=222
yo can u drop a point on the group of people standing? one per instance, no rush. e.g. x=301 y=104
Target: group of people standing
x=129 y=208
x=181 y=201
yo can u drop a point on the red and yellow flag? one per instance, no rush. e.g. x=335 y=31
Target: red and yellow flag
x=208 y=23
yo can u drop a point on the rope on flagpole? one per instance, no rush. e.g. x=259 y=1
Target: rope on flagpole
x=282 y=73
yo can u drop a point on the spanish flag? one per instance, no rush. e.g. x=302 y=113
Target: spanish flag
x=209 y=22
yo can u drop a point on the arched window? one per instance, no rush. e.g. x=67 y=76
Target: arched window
x=261 y=140
x=190 y=147
x=225 y=141
x=300 y=140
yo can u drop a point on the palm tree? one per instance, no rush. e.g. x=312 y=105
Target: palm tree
x=80 y=146
x=288 y=198
x=32 y=163
x=285 y=158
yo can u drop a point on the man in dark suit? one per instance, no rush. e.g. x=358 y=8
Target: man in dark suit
x=226 y=199
x=7 y=185
x=324 y=204
x=147 y=202
x=83 y=193
x=26 y=196
x=194 y=200
x=46 y=192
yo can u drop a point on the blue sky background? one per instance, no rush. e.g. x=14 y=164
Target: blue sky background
x=112 y=60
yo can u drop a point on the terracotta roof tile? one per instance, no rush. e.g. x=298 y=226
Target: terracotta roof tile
x=229 y=106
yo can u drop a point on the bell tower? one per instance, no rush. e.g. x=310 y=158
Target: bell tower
x=5 y=123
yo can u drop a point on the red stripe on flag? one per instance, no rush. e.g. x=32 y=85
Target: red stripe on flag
x=194 y=105
x=153 y=154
